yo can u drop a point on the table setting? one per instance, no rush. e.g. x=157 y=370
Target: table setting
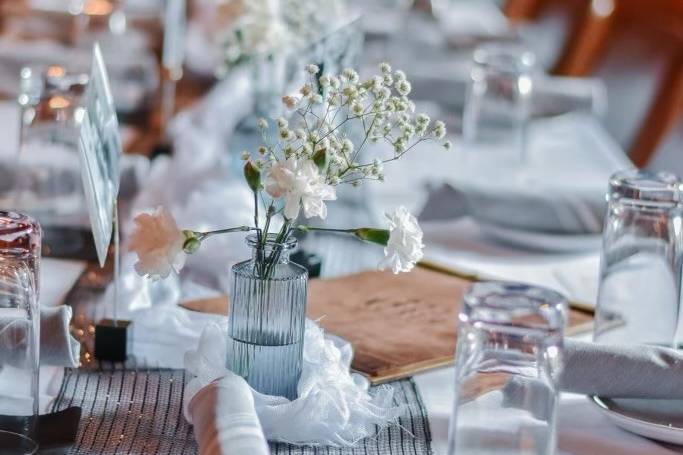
x=298 y=227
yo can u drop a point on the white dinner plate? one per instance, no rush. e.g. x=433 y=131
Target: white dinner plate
x=542 y=241
x=655 y=419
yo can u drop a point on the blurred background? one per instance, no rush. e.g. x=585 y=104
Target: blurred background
x=572 y=90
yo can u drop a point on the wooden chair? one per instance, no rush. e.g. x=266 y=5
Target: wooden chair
x=602 y=32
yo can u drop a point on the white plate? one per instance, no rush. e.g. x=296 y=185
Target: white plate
x=655 y=419
x=540 y=241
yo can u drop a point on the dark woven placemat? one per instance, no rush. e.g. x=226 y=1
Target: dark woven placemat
x=140 y=412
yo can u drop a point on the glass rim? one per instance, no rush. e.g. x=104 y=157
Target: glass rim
x=509 y=303
x=647 y=188
x=271 y=241
x=505 y=57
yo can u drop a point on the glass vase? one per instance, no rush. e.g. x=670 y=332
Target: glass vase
x=267 y=318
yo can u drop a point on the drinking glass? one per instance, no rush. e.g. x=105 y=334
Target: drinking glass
x=508 y=360
x=498 y=100
x=640 y=271
x=20 y=249
x=47 y=182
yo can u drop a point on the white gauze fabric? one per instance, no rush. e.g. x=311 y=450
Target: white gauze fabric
x=334 y=406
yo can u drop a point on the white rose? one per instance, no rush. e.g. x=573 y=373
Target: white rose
x=300 y=184
x=404 y=248
x=158 y=243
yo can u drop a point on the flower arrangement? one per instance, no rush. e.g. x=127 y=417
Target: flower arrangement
x=264 y=26
x=297 y=170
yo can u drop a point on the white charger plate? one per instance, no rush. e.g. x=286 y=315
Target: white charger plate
x=661 y=420
x=541 y=241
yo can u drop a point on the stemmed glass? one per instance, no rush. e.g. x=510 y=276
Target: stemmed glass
x=508 y=360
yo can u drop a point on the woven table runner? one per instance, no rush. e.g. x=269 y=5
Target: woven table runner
x=140 y=412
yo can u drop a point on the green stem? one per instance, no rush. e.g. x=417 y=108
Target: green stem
x=303 y=228
x=205 y=235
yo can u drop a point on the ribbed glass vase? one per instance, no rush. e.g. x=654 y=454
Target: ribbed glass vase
x=267 y=318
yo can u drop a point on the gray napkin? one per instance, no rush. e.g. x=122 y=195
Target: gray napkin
x=57 y=346
x=609 y=371
x=622 y=371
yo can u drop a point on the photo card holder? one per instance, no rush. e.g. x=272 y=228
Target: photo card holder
x=100 y=149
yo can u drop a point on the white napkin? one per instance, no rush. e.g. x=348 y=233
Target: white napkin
x=57 y=346
x=225 y=420
x=334 y=407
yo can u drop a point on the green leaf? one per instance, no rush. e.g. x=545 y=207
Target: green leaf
x=378 y=236
x=320 y=159
x=252 y=175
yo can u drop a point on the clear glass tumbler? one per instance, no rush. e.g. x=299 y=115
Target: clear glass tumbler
x=640 y=271
x=47 y=182
x=498 y=102
x=20 y=251
x=267 y=318
x=508 y=360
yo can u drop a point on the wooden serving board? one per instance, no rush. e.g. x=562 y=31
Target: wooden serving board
x=398 y=325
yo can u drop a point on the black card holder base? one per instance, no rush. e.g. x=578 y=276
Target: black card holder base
x=112 y=340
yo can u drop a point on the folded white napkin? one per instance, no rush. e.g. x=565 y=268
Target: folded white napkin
x=334 y=407
x=225 y=420
x=57 y=346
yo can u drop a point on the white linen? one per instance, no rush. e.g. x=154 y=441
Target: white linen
x=57 y=346
x=224 y=419
x=333 y=405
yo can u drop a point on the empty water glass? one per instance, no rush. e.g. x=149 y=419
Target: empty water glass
x=47 y=182
x=498 y=101
x=508 y=360
x=20 y=248
x=640 y=272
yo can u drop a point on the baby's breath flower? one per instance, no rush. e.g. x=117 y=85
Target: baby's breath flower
x=347 y=146
x=262 y=150
x=282 y=122
x=300 y=133
x=334 y=180
x=262 y=123
x=316 y=98
x=385 y=68
x=356 y=108
x=244 y=156
x=350 y=92
x=422 y=119
x=350 y=75
x=399 y=145
x=388 y=79
x=403 y=87
x=285 y=133
x=306 y=89
x=312 y=69
x=290 y=102
x=324 y=81
x=334 y=82
x=439 y=129
x=448 y=145
x=399 y=75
